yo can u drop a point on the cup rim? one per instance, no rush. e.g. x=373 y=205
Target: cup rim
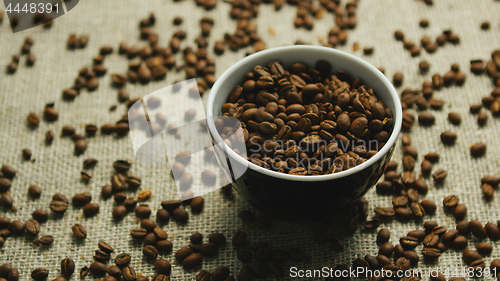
x=397 y=115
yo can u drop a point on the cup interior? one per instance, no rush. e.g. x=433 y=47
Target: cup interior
x=356 y=67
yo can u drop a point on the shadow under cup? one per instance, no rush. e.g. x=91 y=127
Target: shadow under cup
x=303 y=198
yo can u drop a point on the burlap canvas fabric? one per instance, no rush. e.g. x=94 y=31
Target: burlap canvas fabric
x=57 y=169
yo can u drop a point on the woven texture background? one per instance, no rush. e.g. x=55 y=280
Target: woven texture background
x=57 y=169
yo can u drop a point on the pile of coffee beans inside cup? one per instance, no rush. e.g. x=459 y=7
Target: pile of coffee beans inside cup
x=307 y=121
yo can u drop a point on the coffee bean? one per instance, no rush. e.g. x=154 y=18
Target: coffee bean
x=384 y=212
x=183 y=253
x=39 y=274
x=426 y=166
x=44 y=240
x=121 y=166
x=128 y=274
x=148 y=224
x=81 y=199
x=460 y=242
x=67 y=267
x=32 y=226
x=478 y=149
x=40 y=215
x=439 y=175
x=180 y=215
x=419 y=234
x=493 y=231
x=80 y=146
x=407 y=242
x=386 y=249
x=454 y=118
x=429 y=206
x=143 y=211
x=192 y=261
x=79 y=231
x=119 y=212
x=209 y=249
x=449 y=202
x=460 y=212
x=197 y=204
x=34 y=191
x=162 y=216
x=477 y=229
x=122 y=260
x=164 y=246
x=163 y=266
x=58 y=206
x=383 y=236
x=114 y=271
x=217 y=238
x=484 y=249
x=431 y=253
x=97 y=268
x=91 y=209
x=26 y=154
x=426 y=119
x=470 y=255
x=448 y=138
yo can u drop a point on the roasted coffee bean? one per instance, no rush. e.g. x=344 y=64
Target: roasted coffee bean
x=239 y=238
x=162 y=216
x=408 y=242
x=32 y=226
x=493 y=231
x=448 y=138
x=470 y=255
x=384 y=212
x=386 y=249
x=80 y=146
x=121 y=166
x=81 y=199
x=34 y=191
x=91 y=209
x=383 y=236
x=217 y=238
x=128 y=274
x=40 y=274
x=44 y=240
x=429 y=206
x=119 y=212
x=192 y=261
x=431 y=253
x=454 y=118
x=450 y=202
x=122 y=259
x=26 y=154
x=183 y=253
x=40 y=215
x=209 y=249
x=114 y=271
x=439 y=175
x=477 y=229
x=460 y=212
x=478 y=149
x=397 y=80
x=79 y=231
x=143 y=211
x=58 y=206
x=67 y=267
x=33 y=119
x=484 y=249
x=180 y=215
x=163 y=266
x=97 y=268
x=197 y=204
